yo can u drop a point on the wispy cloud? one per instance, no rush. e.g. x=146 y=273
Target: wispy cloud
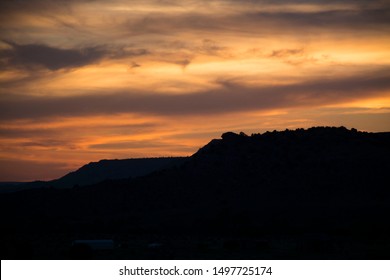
x=227 y=99
x=91 y=79
x=33 y=56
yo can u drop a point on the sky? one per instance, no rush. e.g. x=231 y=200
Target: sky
x=87 y=80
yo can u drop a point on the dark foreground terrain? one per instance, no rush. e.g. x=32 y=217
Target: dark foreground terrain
x=321 y=193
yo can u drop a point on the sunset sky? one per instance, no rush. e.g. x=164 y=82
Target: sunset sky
x=87 y=80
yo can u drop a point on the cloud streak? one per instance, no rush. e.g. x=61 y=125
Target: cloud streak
x=227 y=99
x=32 y=56
x=263 y=23
x=91 y=79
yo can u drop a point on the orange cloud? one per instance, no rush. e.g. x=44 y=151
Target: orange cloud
x=86 y=80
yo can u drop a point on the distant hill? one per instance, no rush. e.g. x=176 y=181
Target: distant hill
x=10 y=186
x=320 y=193
x=95 y=172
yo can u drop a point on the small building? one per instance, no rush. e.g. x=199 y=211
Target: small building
x=95 y=244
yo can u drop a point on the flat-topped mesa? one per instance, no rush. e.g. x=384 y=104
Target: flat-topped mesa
x=274 y=142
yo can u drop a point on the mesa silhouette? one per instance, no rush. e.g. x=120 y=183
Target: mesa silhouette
x=320 y=193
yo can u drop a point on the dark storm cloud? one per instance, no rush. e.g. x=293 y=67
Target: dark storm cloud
x=31 y=56
x=229 y=98
x=35 y=55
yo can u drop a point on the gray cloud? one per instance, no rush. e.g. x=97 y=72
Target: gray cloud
x=24 y=133
x=183 y=63
x=229 y=98
x=281 y=53
x=210 y=47
x=31 y=56
x=46 y=134
x=357 y=3
x=38 y=6
x=183 y=53
x=35 y=55
x=292 y=56
x=346 y=19
x=123 y=53
x=49 y=143
x=255 y=22
x=134 y=65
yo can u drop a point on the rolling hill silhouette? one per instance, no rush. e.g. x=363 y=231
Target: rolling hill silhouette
x=320 y=193
x=95 y=172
